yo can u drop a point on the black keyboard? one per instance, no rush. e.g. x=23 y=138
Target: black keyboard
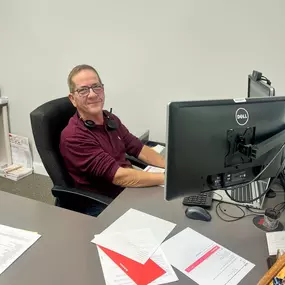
x=203 y=200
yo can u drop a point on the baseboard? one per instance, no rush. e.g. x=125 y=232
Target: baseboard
x=39 y=168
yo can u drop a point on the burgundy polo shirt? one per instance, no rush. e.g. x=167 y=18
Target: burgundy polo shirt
x=92 y=156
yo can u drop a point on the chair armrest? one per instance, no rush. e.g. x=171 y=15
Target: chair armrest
x=139 y=163
x=161 y=143
x=136 y=162
x=154 y=143
x=83 y=193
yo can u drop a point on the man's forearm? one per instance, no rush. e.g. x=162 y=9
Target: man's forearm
x=127 y=177
x=150 y=156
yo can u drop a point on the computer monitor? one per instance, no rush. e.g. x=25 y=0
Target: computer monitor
x=259 y=88
x=218 y=144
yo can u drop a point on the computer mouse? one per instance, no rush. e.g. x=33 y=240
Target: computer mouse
x=198 y=213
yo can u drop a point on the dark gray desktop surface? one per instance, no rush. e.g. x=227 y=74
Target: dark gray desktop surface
x=240 y=237
x=64 y=253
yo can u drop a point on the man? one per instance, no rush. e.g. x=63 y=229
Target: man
x=94 y=143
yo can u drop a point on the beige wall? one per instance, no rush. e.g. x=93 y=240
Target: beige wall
x=148 y=52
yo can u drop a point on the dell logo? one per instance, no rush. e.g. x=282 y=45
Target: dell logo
x=242 y=116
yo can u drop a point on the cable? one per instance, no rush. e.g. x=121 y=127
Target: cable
x=218 y=206
x=266 y=79
x=282 y=179
x=253 y=180
x=233 y=218
x=252 y=211
x=219 y=196
x=281 y=207
x=268 y=187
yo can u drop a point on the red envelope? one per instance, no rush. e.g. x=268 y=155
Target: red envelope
x=141 y=274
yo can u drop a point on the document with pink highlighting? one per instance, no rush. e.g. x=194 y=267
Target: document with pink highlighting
x=205 y=261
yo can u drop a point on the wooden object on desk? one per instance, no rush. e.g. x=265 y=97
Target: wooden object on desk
x=273 y=271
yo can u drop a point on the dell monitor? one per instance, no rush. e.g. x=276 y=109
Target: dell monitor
x=219 y=144
x=258 y=88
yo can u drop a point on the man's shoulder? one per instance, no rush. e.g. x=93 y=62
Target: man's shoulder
x=72 y=130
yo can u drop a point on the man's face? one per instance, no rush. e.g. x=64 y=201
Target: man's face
x=87 y=102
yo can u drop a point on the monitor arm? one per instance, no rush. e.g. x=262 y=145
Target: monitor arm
x=254 y=151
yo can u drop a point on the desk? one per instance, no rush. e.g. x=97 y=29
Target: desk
x=240 y=237
x=5 y=150
x=64 y=253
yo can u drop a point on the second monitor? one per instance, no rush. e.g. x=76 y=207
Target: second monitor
x=217 y=144
x=257 y=87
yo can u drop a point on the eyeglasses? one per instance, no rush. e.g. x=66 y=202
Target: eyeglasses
x=85 y=90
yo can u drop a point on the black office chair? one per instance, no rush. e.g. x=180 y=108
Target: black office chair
x=48 y=121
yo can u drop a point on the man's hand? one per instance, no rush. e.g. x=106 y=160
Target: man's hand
x=150 y=156
x=128 y=177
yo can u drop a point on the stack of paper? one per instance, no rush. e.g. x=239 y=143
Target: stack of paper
x=15 y=172
x=21 y=157
x=13 y=243
x=130 y=252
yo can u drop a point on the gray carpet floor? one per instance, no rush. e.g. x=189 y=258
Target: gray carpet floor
x=35 y=186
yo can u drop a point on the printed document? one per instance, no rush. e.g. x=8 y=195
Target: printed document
x=114 y=275
x=133 y=220
x=141 y=274
x=21 y=153
x=13 y=243
x=138 y=245
x=275 y=241
x=205 y=261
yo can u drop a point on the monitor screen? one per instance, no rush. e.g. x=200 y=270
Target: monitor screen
x=259 y=89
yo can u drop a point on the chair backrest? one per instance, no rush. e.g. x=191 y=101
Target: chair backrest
x=48 y=121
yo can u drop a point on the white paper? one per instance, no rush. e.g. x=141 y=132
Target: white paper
x=154 y=169
x=137 y=220
x=138 y=245
x=15 y=172
x=159 y=258
x=114 y=275
x=21 y=153
x=158 y=148
x=205 y=261
x=13 y=243
x=275 y=241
